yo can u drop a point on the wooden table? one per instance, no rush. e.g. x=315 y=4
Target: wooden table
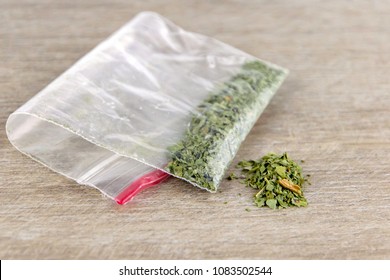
x=333 y=112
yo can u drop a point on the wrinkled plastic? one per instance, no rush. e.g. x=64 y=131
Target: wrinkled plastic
x=109 y=120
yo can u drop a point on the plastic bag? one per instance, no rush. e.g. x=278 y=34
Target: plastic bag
x=124 y=116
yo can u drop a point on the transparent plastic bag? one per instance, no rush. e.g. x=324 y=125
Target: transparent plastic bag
x=120 y=118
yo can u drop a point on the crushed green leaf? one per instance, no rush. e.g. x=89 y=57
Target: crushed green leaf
x=232 y=176
x=277 y=179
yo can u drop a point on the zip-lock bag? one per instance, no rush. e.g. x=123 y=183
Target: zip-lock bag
x=149 y=101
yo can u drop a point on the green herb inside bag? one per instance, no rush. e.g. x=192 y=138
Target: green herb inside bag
x=221 y=124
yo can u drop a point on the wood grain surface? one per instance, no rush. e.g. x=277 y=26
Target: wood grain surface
x=333 y=112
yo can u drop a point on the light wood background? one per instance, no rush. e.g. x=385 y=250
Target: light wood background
x=333 y=112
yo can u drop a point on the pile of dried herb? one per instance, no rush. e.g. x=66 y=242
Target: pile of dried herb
x=221 y=123
x=277 y=178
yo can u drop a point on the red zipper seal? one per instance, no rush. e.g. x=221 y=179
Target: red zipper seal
x=149 y=180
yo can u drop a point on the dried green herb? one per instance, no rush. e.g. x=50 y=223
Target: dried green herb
x=232 y=176
x=222 y=119
x=278 y=180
